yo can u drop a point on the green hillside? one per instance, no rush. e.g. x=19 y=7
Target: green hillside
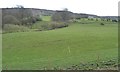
x=78 y=43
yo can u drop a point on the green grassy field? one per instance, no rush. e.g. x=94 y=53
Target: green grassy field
x=60 y=47
x=46 y=18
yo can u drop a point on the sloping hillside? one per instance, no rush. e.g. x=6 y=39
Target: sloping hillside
x=78 y=43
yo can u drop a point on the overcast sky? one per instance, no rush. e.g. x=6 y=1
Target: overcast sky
x=98 y=7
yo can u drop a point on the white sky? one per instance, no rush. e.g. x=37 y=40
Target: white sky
x=98 y=7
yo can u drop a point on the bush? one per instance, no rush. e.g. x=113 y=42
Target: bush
x=9 y=28
x=38 y=19
x=97 y=20
x=78 y=18
x=114 y=21
x=28 y=21
x=45 y=25
x=102 y=24
x=58 y=25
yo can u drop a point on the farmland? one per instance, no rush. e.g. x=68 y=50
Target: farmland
x=81 y=42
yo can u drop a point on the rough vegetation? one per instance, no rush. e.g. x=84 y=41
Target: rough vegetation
x=10 y=28
x=111 y=64
x=41 y=26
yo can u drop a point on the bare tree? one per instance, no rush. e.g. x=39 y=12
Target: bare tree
x=63 y=15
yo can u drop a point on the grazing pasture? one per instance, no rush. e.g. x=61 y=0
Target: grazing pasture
x=72 y=45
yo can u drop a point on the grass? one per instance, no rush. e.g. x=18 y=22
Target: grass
x=46 y=18
x=78 y=43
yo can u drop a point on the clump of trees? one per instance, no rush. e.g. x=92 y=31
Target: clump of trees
x=21 y=16
x=18 y=19
x=61 y=16
x=25 y=17
x=9 y=19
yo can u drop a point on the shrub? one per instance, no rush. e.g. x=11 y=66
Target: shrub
x=96 y=19
x=92 y=19
x=114 y=21
x=8 y=28
x=102 y=24
x=45 y=25
x=78 y=18
x=38 y=18
x=32 y=20
x=27 y=21
x=58 y=25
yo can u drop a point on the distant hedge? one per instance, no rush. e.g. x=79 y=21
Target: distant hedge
x=44 y=25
